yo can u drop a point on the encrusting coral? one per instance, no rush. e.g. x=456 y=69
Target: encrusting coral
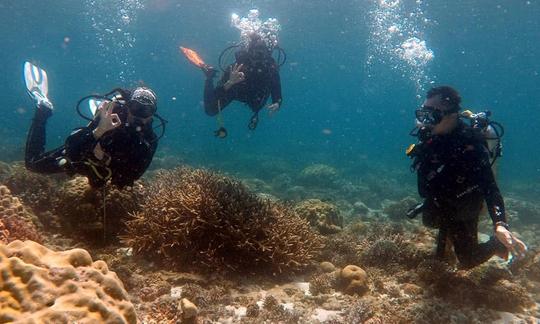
x=17 y=222
x=197 y=217
x=80 y=207
x=322 y=215
x=43 y=286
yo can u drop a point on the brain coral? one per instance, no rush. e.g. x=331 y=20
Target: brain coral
x=18 y=223
x=324 y=216
x=202 y=218
x=43 y=286
x=80 y=207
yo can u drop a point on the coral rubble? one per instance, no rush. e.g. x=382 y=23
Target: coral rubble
x=197 y=217
x=43 y=286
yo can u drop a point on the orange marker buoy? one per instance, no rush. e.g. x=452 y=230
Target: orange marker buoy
x=192 y=56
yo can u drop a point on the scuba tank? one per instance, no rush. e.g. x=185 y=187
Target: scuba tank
x=492 y=132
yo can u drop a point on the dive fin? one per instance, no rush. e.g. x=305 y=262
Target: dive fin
x=37 y=85
x=193 y=57
x=94 y=105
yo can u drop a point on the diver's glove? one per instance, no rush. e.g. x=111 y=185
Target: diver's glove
x=107 y=119
x=509 y=240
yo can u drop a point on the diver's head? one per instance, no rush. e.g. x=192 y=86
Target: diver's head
x=142 y=105
x=257 y=47
x=439 y=111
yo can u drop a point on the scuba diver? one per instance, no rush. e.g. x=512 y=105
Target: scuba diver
x=252 y=79
x=117 y=145
x=453 y=163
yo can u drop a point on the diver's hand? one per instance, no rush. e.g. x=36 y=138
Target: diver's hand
x=236 y=76
x=107 y=119
x=512 y=243
x=273 y=108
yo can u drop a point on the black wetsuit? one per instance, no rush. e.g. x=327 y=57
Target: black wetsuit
x=262 y=80
x=128 y=152
x=455 y=178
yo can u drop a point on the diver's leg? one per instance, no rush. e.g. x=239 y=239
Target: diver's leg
x=35 y=157
x=464 y=234
x=210 y=100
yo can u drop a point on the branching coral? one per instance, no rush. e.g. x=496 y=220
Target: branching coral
x=322 y=215
x=202 y=218
x=17 y=222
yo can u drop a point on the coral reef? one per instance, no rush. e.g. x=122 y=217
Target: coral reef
x=527 y=213
x=197 y=217
x=17 y=222
x=322 y=215
x=397 y=211
x=353 y=280
x=35 y=190
x=484 y=286
x=80 y=208
x=322 y=283
x=319 y=175
x=5 y=171
x=44 y=286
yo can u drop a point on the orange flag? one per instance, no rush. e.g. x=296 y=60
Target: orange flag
x=192 y=56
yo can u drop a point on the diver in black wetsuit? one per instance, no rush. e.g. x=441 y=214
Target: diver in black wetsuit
x=118 y=144
x=252 y=79
x=455 y=178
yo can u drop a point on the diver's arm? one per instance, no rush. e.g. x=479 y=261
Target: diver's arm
x=79 y=143
x=275 y=88
x=220 y=90
x=488 y=185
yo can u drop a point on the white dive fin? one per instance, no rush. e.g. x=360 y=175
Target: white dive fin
x=37 y=85
x=94 y=105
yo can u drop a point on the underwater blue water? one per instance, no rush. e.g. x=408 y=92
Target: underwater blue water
x=337 y=109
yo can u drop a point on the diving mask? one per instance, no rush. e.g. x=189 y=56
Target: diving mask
x=427 y=115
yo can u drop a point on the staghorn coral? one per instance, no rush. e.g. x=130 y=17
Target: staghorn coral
x=322 y=283
x=197 y=217
x=80 y=207
x=17 y=222
x=43 y=286
x=319 y=175
x=322 y=215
